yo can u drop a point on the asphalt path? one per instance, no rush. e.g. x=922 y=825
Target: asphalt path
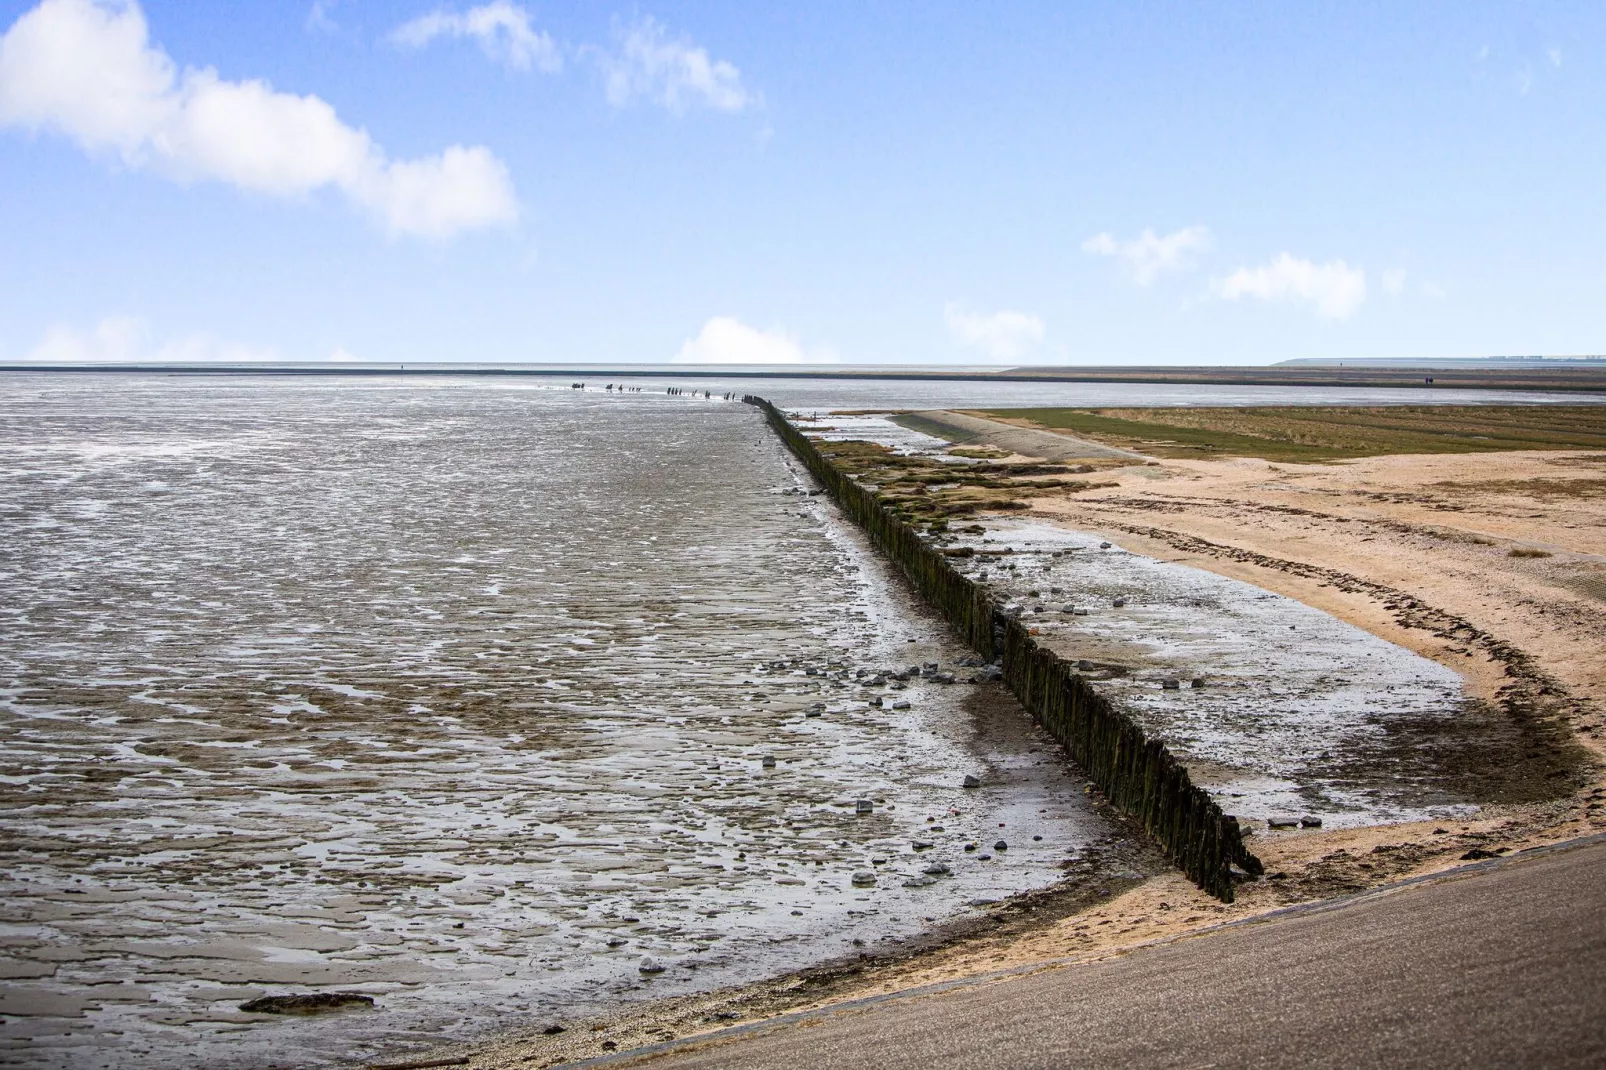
x=1495 y=965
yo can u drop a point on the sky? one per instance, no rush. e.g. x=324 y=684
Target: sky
x=865 y=183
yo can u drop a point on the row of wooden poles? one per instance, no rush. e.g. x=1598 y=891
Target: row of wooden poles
x=1138 y=775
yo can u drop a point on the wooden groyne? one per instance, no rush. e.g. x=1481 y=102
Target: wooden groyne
x=1138 y=775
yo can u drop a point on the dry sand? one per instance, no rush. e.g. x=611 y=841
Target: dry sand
x=1415 y=549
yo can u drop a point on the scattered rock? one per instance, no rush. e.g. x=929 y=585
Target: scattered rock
x=922 y=845
x=1478 y=854
x=1118 y=603
x=1282 y=822
x=1171 y=685
x=863 y=806
x=306 y=1003
x=901 y=704
x=554 y=1029
x=769 y=761
x=650 y=966
x=919 y=882
x=1310 y=821
x=1000 y=846
x=863 y=878
x=972 y=781
x=1198 y=681
x=1104 y=546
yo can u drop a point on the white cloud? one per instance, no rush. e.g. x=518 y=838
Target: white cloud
x=1149 y=255
x=319 y=20
x=1334 y=288
x=1003 y=335
x=86 y=69
x=1394 y=281
x=669 y=71
x=724 y=340
x=1554 y=56
x=124 y=340
x=501 y=27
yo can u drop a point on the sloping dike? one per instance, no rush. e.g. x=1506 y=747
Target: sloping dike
x=1139 y=776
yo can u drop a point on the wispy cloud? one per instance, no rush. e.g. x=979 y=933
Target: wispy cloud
x=86 y=69
x=1334 y=289
x=126 y=340
x=1150 y=255
x=647 y=63
x=319 y=19
x=1003 y=335
x=1394 y=281
x=726 y=340
x=503 y=30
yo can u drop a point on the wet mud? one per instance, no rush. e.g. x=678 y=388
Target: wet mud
x=478 y=701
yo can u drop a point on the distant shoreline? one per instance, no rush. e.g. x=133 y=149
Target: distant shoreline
x=1584 y=378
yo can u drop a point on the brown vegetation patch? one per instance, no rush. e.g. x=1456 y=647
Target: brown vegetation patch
x=1315 y=434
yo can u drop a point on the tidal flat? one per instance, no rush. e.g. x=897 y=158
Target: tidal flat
x=500 y=704
x=463 y=697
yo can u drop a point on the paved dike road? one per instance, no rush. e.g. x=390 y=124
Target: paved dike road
x=1500 y=964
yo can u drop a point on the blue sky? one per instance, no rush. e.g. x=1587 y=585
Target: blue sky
x=1030 y=183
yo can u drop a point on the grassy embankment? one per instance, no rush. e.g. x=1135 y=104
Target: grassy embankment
x=1313 y=435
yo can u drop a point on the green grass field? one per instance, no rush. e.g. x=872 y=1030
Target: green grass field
x=1296 y=434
